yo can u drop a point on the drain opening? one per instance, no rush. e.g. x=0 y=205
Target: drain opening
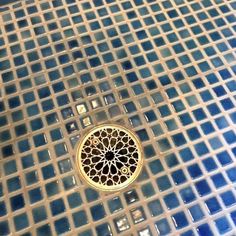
x=109 y=157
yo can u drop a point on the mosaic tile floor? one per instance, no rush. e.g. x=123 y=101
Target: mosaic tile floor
x=166 y=69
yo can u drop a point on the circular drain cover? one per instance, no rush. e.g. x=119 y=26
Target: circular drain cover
x=109 y=157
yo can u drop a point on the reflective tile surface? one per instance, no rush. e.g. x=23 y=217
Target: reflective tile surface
x=165 y=69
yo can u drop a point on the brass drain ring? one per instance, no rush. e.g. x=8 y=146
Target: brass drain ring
x=109 y=157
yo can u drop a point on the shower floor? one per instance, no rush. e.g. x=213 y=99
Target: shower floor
x=165 y=69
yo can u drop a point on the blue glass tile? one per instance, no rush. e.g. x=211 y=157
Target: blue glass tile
x=14 y=102
x=193 y=134
x=148 y=190
x=230 y=137
x=178 y=177
x=3 y=121
x=201 y=149
x=179 y=139
x=10 y=167
x=196 y=213
x=47 y=105
x=209 y=164
x=186 y=154
x=5 y=136
x=199 y=114
x=32 y=110
x=227 y=104
x=3 y=210
x=48 y=172
x=59 y=87
x=104 y=229
x=69 y=182
x=194 y=171
x=180 y=220
x=178 y=106
x=221 y=122
x=44 y=92
x=162 y=227
x=62 y=226
x=206 y=96
x=17 y=202
x=57 y=206
x=139 y=90
x=62 y=100
x=98 y=212
x=131 y=196
x=91 y=194
x=218 y=180
x=157 y=130
x=156 y=166
x=74 y=200
x=20 y=130
x=164 y=110
x=52 y=118
x=35 y=195
x=232 y=174
x=223 y=225
x=143 y=175
x=56 y=134
x=10 y=89
x=231 y=85
x=144 y=102
x=130 y=107
x=13 y=184
x=36 y=124
x=39 y=140
x=213 y=205
x=80 y=218
x=155 y=208
x=171 y=201
x=143 y=135
x=185 y=119
x=149 y=151
x=52 y=188
x=60 y=149
x=43 y=156
x=207 y=128
x=233 y=216
x=65 y=166
x=164 y=144
x=21 y=221
x=150 y=116
x=187 y=195
x=28 y=97
x=171 y=160
x=115 y=204
x=224 y=158
x=163 y=183
x=204 y=229
x=228 y=198
x=39 y=214
x=4 y=228
x=202 y=187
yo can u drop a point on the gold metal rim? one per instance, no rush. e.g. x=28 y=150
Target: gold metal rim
x=102 y=186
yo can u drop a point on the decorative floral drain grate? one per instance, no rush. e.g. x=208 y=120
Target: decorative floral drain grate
x=109 y=157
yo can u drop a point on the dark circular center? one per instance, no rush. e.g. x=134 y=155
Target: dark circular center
x=109 y=155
